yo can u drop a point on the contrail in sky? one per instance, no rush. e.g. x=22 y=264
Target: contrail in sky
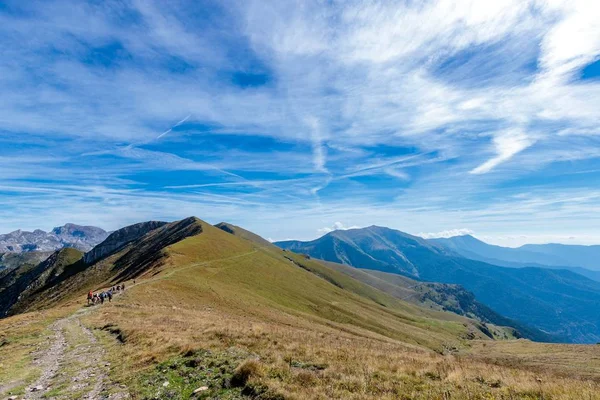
x=174 y=126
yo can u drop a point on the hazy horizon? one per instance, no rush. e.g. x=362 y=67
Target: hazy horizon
x=506 y=241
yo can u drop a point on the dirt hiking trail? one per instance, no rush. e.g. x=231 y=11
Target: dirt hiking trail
x=72 y=367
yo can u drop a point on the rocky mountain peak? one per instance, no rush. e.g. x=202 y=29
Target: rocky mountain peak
x=120 y=238
x=70 y=235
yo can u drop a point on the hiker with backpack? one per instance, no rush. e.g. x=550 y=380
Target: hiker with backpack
x=109 y=295
x=90 y=298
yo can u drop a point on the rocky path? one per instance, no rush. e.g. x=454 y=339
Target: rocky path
x=74 y=365
x=48 y=361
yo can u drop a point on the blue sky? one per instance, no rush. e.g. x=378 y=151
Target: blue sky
x=295 y=118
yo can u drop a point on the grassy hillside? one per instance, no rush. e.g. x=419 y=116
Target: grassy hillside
x=443 y=297
x=561 y=303
x=10 y=261
x=250 y=321
x=311 y=332
x=440 y=297
x=26 y=282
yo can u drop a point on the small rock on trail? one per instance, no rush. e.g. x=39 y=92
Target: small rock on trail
x=201 y=389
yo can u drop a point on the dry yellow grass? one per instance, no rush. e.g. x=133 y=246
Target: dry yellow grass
x=314 y=340
x=349 y=364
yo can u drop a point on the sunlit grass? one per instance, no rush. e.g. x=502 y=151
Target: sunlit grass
x=315 y=336
x=308 y=331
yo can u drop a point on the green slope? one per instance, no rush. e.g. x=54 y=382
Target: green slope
x=558 y=302
x=444 y=297
x=386 y=298
x=24 y=285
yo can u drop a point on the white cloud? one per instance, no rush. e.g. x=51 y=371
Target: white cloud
x=381 y=31
x=337 y=226
x=506 y=145
x=573 y=41
x=319 y=150
x=397 y=173
x=446 y=234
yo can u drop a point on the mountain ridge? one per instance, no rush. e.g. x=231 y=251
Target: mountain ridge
x=80 y=237
x=538 y=256
x=129 y=251
x=558 y=302
x=305 y=326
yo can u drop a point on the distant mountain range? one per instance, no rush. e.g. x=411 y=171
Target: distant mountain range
x=584 y=260
x=559 y=302
x=134 y=249
x=83 y=238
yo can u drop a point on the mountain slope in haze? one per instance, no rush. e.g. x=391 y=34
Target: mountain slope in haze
x=10 y=261
x=70 y=235
x=583 y=260
x=574 y=255
x=558 y=302
x=24 y=281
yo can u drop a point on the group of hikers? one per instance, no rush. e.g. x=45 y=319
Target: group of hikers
x=95 y=298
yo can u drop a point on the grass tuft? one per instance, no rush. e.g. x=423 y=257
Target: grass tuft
x=249 y=369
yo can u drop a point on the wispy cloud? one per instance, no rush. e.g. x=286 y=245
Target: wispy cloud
x=506 y=145
x=319 y=150
x=446 y=234
x=337 y=226
x=406 y=113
